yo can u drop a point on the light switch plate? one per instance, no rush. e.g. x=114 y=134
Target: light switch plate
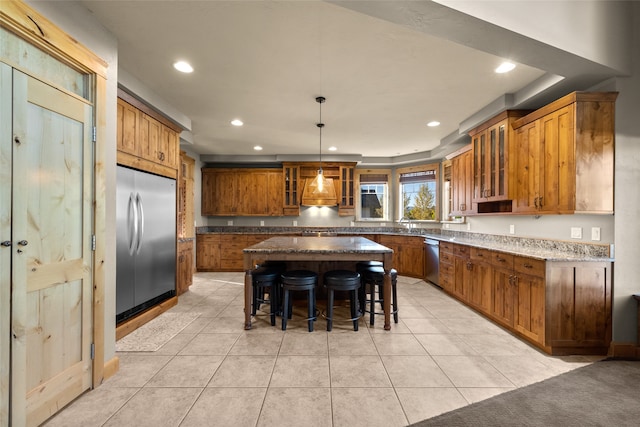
x=512 y=229
x=576 y=232
x=295 y=223
x=595 y=233
x=230 y=222
x=261 y=223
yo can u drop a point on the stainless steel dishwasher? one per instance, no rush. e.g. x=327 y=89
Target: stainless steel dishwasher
x=432 y=260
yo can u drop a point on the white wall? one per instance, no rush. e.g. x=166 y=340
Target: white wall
x=627 y=202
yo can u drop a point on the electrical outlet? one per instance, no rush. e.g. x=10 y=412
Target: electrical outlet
x=446 y=226
x=595 y=233
x=468 y=226
x=230 y=222
x=353 y=223
x=512 y=229
x=576 y=232
x=261 y=223
x=295 y=223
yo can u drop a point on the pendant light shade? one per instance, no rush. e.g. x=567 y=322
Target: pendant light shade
x=320 y=191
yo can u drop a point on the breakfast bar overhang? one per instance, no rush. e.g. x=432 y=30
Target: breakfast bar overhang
x=317 y=249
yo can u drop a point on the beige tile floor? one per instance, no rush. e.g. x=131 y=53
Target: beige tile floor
x=439 y=357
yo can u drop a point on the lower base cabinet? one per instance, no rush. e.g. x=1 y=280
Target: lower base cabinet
x=561 y=307
x=185 y=266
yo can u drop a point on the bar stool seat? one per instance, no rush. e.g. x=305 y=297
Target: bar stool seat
x=298 y=280
x=263 y=279
x=342 y=280
x=374 y=277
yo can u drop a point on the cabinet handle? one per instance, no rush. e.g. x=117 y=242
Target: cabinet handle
x=535 y=203
x=501 y=259
x=469 y=266
x=540 y=202
x=528 y=266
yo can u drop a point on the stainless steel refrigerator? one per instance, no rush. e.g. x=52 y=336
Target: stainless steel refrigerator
x=145 y=241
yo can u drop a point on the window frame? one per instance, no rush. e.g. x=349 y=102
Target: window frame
x=435 y=167
x=387 y=197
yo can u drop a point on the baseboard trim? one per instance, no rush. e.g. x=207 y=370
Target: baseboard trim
x=620 y=350
x=134 y=323
x=111 y=367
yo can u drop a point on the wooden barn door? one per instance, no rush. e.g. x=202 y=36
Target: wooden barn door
x=51 y=311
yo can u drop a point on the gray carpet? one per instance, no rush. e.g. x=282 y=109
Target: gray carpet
x=605 y=393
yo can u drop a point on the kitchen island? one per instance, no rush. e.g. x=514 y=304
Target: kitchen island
x=315 y=250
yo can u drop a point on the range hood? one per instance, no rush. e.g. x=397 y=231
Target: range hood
x=315 y=194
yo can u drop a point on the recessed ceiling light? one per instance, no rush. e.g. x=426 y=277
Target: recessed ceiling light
x=433 y=124
x=505 y=67
x=257 y=148
x=236 y=122
x=332 y=148
x=183 y=67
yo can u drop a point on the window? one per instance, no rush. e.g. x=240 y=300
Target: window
x=373 y=203
x=418 y=192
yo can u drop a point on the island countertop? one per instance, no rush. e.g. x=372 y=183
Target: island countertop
x=317 y=245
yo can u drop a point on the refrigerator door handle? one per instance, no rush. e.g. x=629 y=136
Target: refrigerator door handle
x=132 y=224
x=140 y=222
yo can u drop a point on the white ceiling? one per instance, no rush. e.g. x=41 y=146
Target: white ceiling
x=265 y=62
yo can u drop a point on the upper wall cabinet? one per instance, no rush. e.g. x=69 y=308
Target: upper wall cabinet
x=564 y=160
x=490 y=145
x=242 y=192
x=145 y=139
x=461 y=188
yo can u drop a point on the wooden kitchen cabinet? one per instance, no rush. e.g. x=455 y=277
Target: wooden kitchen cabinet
x=529 y=306
x=145 y=140
x=292 y=189
x=208 y=252
x=446 y=271
x=462 y=269
x=231 y=255
x=461 y=184
x=242 y=192
x=491 y=150
x=347 y=201
x=408 y=253
x=565 y=156
x=128 y=125
x=560 y=306
x=503 y=291
x=185 y=266
x=481 y=279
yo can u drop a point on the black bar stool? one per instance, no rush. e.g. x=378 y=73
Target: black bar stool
x=342 y=280
x=374 y=277
x=298 y=280
x=263 y=279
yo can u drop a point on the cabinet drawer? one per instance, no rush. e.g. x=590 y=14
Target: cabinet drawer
x=446 y=257
x=482 y=255
x=530 y=266
x=500 y=259
x=446 y=246
x=231 y=265
x=446 y=281
x=461 y=251
x=447 y=269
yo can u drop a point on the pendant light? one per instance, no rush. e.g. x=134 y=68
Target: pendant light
x=320 y=191
x=320 y=177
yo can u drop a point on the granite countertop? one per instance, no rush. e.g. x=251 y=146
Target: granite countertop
x=311 y=245
x=544 y=249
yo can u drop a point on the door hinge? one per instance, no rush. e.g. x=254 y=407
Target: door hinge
x=93 y=134
x=93 y=351
x=93 y=242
